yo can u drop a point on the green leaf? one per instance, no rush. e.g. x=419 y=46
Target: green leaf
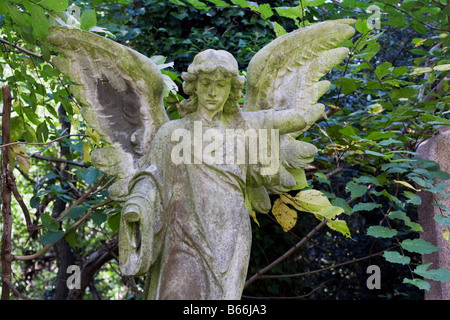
x=88 y=19
x=339 y=202
x=419 y=283
x=289 y=12
x=322 y=178
x=72 y=239
x=51 y=237
x=348 y=85
x=114 y=222
x=441 y=274
x=92 y=174
x=365 y=207
x=402 y=216
x=49 y=222
x=279 y=30
x=412 y=198
x=99 y=217
x=356 y=190
x=17 y=16
x=362 y=26
x=382 y=70
x=265 y=10
x=379 y=135
x=75 y=212
x=219 y=3
x=198 y=5
x=241 y=3
x=39 y=21
x=55 y=5
x=419 y=246
x=300 y=178
x=395 y=257
x=381 y=232
x=42 y=132
x=397 y=20
x=349 y=131
x=445 y=221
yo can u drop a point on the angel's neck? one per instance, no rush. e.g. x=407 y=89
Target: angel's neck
x=209 y=116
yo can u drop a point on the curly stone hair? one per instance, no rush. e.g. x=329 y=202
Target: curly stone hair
x=210 y=61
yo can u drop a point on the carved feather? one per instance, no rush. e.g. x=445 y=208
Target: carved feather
x=120 y=93
x=286 y=74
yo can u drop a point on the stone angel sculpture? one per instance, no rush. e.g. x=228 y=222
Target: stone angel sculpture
x=186 y=187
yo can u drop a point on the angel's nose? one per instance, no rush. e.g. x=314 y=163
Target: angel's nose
x=212 y=91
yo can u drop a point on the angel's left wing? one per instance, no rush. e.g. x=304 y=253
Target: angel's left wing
x=284 y=75
x=121 y=96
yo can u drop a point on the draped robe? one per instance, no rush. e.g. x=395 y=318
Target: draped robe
x=199 y=219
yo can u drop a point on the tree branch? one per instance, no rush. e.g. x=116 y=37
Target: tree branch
x=293 y=275
x=286 y=254
x=65 y=213
x=79 y=164
x=6 y=196
x=28 y=52
x=44 y=143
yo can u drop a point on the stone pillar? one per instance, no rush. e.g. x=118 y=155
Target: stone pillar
x=438 y=150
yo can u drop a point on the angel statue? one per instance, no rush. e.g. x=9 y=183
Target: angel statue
x=189 y=186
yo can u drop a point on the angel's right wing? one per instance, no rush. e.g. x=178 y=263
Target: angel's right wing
x=285 y=75
x=121 y=96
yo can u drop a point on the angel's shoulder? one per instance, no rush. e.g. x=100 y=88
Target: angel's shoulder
x=168 y=128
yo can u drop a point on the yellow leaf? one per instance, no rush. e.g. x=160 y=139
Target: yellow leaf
x=20 y=153
x=406 y=184
x=420 y=43
x=446 y=235
x=339 y=226
x=418 y=71
x=86 y=153
x=253 y=215
x=376 y=108
x=442 y=67
x=312 y=200
x=94 y=136
x=285 y=216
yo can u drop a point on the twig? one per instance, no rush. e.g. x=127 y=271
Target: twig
x=79 y=164
x=76 y=225
x=286 y=254
x=44 y=143
x=293 y=275
x=411 y=16
x=16 y=292
x=437 y=89
x=13 y=187
x=28 y=52
x=82 y=198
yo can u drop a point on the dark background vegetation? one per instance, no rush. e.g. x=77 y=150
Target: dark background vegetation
x=352 y=167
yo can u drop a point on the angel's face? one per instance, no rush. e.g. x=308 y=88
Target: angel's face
x=213 y=90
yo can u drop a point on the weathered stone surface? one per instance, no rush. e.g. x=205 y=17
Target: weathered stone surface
x=187 y=189
x=438 y=150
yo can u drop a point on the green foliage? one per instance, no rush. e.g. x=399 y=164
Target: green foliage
x=388 y=96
